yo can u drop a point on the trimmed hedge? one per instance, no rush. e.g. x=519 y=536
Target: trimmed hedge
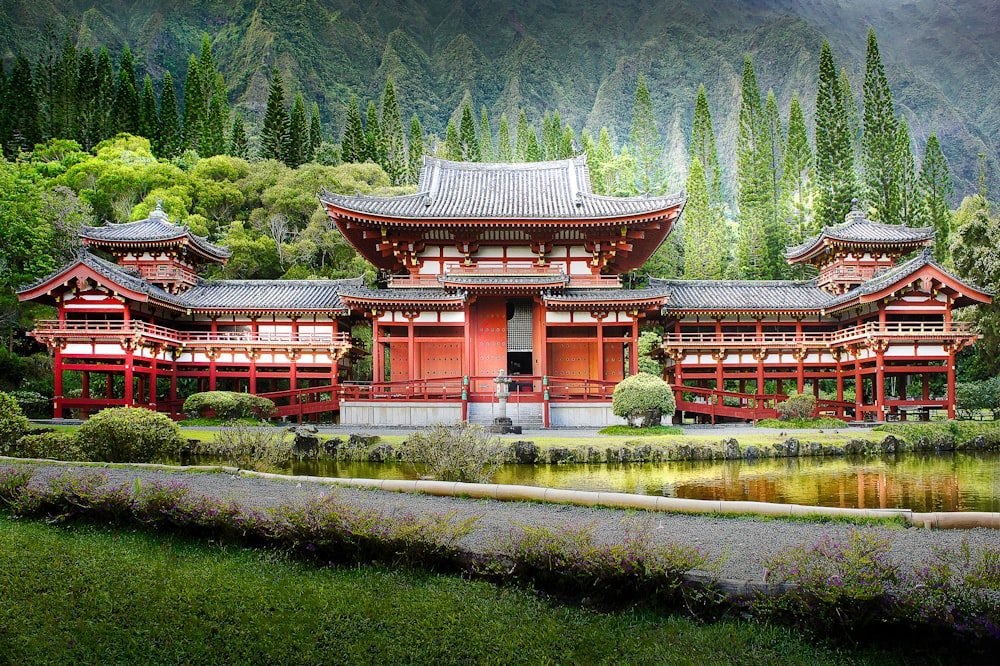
x=228 y=405
x=643 y=397
x=13 y=422
x=129 y=434
x=53 y=445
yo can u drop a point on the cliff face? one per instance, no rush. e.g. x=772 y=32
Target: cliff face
x=581 y=57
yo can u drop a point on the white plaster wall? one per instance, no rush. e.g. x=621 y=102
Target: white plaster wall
x=583 y=415
x=399 y=414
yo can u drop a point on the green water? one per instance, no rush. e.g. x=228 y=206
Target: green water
x=921 y=482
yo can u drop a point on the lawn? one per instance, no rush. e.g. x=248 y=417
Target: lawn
x=91 y=594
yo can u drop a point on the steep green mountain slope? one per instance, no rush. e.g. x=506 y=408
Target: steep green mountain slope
x=581 y=57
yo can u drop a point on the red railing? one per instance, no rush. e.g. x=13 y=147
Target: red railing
x=904 y=331
x=140 y=330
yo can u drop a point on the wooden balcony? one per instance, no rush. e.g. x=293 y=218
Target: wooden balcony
x=893 y=332
x=138 y=333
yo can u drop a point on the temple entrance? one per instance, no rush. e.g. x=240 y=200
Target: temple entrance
x=520 y=348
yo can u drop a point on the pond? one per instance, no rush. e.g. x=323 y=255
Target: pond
x=917 y=481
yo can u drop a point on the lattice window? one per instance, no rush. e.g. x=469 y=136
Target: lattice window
x=519 y=329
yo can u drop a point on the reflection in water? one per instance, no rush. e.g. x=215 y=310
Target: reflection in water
x=921 y=482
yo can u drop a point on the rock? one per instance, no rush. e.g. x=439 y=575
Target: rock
x=751 y=453
x=792 y=447
x=525 y=452
x=889 y=445
x=382 y=453
x=306 y=441
x=780 y=450
x=703 y=453
x=331 y=445
x=646 y=418
x=362 y=440
x=592 y=456
x=854 y=447
x=833 y=450
x=731 y=449
x=642 y=453
x=683 y=452
x=814 y=448
x=559 y=455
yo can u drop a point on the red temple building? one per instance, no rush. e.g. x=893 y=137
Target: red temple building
x=512 y=270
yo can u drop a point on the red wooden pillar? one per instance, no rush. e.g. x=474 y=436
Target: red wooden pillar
x=859 y=394
x=213 y=356
x=600 y=345
x=252 y=353
x=57 y=385
x=152 y=379
x=840 y=379
x=800 y=356
x=412 y=355
x=378 y=355
x=129 y=376
x=880 y=382
x=633 y=357
x=951 y=382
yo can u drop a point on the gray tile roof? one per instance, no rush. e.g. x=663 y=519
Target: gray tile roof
x=608 y=295
x=499 y=191
x=762 y=295
x=289 y=295
x=857 y=229
x=155 y=228
x=551 y=281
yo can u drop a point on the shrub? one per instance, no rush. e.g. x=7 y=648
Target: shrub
x=31 y=402
x=644 y=398
x=251 y=447
x=53 y=445
x=129 y=434
x=456 y=453
x=973 y=397
x=228 y=405
x=797 y=406
x=13 y=422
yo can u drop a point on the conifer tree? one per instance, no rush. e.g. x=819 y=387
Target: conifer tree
x=238 y=146
x=603 y=156
x=697 y=220
x=467 y=136
x=213 y=135
x=88 y=120
x=375 y=146
x=853 y=116
x=774 y=146
x=452 y=144
x=935 y=193
x=209 y=77
x=105 y=94
x=758 y=249
x=397 y=159
x=505 y=152
x=3 y=106
x=703 y=146
x=194 y=105
x=66 y=113
x=352 y=141
x=486 y=147
x=125 y=112
x=298 y=134
x=533 y=149
x=416 y=150
x=796 y=211
x=521 y=142
x=878 y=139
x=274 y=133
x=566 y=149
x=315 y=132
x=646 y=143
x=906 y=172
x=551 y=134
x=170 y=140
x=44 y=79
x=149 y=121
x=23 y=130
x=836 y=185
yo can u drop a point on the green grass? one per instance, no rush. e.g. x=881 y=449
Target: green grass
x=961 y=431
x=795 y=424
x=641 y=432
x=89 y=594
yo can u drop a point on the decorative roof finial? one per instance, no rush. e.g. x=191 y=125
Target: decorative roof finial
x=855 y=214
x=159 y=203
x=158 y=212
x=854 y=204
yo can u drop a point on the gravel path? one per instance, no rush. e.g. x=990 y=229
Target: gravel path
x=741 y=543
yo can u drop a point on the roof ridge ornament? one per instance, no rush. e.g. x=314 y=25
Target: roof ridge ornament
x=855 y=214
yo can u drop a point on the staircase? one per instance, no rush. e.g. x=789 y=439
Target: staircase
x=528 y=415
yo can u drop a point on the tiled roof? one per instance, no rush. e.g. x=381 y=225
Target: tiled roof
x=762 y=295
x=404 y=296
x=268 y=294
x=541 y=281
x=857 y=229
x=155 y=228
x=608 y=295
x=498 y=191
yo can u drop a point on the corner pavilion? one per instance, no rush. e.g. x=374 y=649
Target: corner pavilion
x=510 y=269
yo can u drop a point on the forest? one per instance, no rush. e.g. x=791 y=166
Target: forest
x=85 y=143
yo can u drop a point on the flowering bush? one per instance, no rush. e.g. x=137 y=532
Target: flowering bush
x=643 y=399
x=128 y=434
x=456 y=453
x=797 y=406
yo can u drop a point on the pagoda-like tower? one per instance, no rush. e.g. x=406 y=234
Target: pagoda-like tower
x=165 y=254
x=851 y=253
x=503 y=268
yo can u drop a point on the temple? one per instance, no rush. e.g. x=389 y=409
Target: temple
x=506 y=278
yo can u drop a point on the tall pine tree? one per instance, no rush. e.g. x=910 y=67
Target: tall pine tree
x=836 y=184
x=352 y=141
x=533 y=149
x=21 y=107
x=397 y=159
x=878 y=141
x=171 y=141
x=646 y=143
x=298 y=134
x=105 y=95
x=486 y=138
x=125 y=112
x=274 y=133
x=375 y=146
x=906 y=173
x=238 y=146
x=209 y=77
x=935 y=193
x=774 y=146
x=213 y=133
x=467 y=138
x=452 y=144
x=703 y=146
x=796 y=210
x=88 y=121
x=194 y=105
x=66 y=111
x=149 y=121
x=521 y=141
x=315 y=132
x=505 y=151
x=416 y=150
x=705 y=250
